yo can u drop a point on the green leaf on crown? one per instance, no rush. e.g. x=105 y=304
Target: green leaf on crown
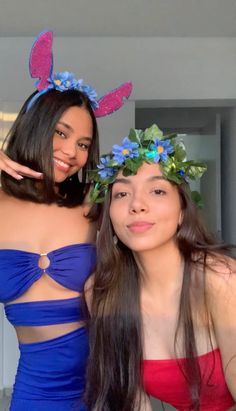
x=169 y=136
x=197 y=199
x=126 y=172
x=170 y=175
x=133 y=164
x=135 y=135
x=152 y=133
x=179 y=152
x=112 y=163
x=194 y=170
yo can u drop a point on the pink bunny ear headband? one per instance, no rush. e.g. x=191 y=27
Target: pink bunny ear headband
x=41 y=65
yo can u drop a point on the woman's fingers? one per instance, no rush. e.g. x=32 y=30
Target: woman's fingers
x=16 y=170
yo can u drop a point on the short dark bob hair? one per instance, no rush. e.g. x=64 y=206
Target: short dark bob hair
x=30 y=143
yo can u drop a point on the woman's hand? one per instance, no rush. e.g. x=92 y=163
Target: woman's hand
x=16 y=170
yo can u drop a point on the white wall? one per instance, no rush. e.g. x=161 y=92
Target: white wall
x=114 y=127
x=160 y=68
x=10 y=354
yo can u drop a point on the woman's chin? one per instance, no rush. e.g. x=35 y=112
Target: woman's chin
x=60 y=177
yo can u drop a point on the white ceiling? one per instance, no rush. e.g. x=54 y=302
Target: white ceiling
x=179 y=18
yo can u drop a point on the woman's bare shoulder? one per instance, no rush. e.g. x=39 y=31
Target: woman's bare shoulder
x=3 y=195
x=221 y=281
x=220 y=271
x=221 y=290
x=6 y=200
x=220 y=267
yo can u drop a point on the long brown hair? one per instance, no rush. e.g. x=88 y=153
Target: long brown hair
x=114 y=376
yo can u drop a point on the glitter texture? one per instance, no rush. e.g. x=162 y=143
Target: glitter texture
x=41 y=61
x=113 y=100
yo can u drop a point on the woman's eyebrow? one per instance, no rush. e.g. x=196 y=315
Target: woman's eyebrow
x=66 y=125
x=157 y=178
x=122 y=180
x=126 y=180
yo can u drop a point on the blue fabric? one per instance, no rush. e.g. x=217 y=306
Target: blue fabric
x=45 y=312
x=69 y=266
x=50 y=374
x=47 y=405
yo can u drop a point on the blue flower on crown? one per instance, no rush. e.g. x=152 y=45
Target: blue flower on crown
x=105 y=172
x=160 y=150
x=66 y=81
x=181 y=173
x=92 y=95
x=127 y=149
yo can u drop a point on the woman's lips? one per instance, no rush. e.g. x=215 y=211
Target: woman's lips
x=140 y=226
x=61 y=165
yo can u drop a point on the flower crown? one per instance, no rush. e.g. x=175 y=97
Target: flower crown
x=41 y=66
x=149 y=146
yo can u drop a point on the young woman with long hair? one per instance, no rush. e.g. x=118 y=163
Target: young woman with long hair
x=163 y=297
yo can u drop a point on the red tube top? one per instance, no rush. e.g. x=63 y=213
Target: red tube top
x=163 y=379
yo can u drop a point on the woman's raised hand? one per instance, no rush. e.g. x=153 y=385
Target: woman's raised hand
x=16 y=170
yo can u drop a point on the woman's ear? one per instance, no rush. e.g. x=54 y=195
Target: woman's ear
x=181 y=217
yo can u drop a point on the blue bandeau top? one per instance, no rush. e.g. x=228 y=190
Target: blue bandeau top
x=36 y=313
x=69 y=266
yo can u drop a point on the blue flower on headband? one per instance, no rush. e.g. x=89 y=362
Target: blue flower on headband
x=160 y=150
x=92 y=95
x=105 y=172
x=66 y=81
x=128 y=149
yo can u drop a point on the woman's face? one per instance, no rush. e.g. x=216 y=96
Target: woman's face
x=71 y=142
x=145 y=209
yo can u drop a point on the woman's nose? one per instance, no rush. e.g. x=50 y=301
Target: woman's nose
x=138 y=205
x=69 y=148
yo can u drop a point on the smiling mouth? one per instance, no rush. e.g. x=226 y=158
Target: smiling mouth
x=61 y=165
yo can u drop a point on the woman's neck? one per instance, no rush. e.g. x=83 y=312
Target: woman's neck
x=162 y=267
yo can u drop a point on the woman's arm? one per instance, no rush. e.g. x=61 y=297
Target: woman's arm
x=16 y=170
x=222 y=293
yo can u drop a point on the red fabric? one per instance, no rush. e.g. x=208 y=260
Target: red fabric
x=163 y=379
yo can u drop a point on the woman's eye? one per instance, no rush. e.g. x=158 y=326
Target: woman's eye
x=159 y=192
x=83 y=146
x=60 y=133
x=120 y=194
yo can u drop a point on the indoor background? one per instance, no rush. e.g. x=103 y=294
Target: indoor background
x=180 y=56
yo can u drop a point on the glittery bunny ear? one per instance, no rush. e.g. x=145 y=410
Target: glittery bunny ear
x=113 y=100
x=41 y=59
